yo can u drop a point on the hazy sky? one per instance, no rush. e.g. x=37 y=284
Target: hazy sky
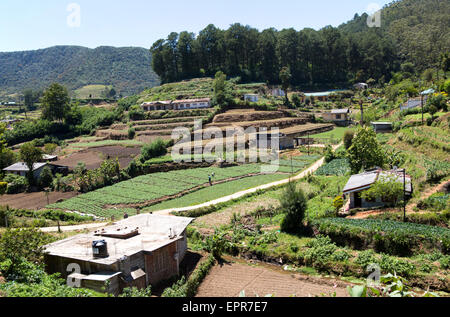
x=33 y=24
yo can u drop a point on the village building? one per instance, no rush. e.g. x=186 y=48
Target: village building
x=251 y=97
x=338 y=116
x=278 y=92
x=22 y=169
x=177 y=104
x=361 y=86
x=382 y=127
x=361 y=182
x=266 y=139
x=136 y=252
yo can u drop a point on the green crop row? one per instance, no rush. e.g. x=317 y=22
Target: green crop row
x=391 y=237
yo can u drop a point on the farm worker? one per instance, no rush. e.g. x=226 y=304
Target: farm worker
x=210 y=180
x=125 y=216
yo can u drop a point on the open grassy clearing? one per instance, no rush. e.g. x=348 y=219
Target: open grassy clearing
x=91 y=91
x=336 y=133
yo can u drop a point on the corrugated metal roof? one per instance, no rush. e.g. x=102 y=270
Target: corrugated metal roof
x=360 y=181
x=340 y=111
x=22 y=167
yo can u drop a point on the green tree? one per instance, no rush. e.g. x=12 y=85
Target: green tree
x=220 y=89
x=30 y=154
x=293 y=205
x=55 y=103
x=365 y=151
x=348 y=138
x=285 y=78
x=46 y=177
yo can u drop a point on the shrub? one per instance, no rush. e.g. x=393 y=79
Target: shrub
x=46 y=177
x=348 y=138
x=131 y=133
x=16 y=184
x=154 y=149
x=3 y=187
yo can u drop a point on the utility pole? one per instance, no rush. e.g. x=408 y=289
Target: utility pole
x=308 y=143
x=362 y=112
x=404 y=195
x=421 y=102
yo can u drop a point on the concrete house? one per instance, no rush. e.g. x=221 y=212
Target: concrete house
x=251 y=97
x=382 y=127
x=278 y=92
x=177 y=104
x=338 y=116
x=136 y=252
x=266 y=139
x=361 y=182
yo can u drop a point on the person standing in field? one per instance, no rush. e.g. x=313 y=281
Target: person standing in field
x=210 y=180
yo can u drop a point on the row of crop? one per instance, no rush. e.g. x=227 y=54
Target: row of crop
x=391 y=237
x=338 y=167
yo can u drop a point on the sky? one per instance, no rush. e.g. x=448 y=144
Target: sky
x=35 y=24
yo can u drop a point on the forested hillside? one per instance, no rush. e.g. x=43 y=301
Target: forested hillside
x=414 y=31
x=127 y=69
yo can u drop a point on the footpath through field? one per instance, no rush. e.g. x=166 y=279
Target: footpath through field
x=240 y=194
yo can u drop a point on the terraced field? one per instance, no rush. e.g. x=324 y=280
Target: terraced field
x=153 y=187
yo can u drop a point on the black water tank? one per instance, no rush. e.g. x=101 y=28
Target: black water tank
x=100 y=249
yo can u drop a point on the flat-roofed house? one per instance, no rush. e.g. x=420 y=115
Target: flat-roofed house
x=137 y=252
x=361 y=182
x=177 y=104
x=156 y=105
x=191 y=103
x=338 y=116
x=382 y=127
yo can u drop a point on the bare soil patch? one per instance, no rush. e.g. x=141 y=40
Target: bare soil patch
x=36 y=200
x=229 y=279
x=93 y=157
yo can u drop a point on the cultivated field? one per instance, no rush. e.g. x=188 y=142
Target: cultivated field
x=230 y=279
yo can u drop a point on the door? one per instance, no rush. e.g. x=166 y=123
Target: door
x=358 y=200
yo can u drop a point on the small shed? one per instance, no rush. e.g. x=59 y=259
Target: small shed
x=382 y=127
x=338 y=116
x=22 y=169
x=361 y=182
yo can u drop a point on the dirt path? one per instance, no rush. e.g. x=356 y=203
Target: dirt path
x=229 y=280
x=240 y=194
x=428 y=193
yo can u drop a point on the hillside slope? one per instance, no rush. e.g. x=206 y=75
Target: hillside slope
x=419 y=29
x=128 y=69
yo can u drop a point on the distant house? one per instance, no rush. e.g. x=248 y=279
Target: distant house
x=361 y=182
x=382 y=127
x=361 y=86
x=22 y=169
x=277 y=92
x=191 y=104
x=251 y=97
x=49 y=158
x=338 y=116
x=177 y=104
x=136 y=252
x=266 y=139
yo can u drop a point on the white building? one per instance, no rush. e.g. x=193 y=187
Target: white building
x=177 y=104
x=251 y=97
